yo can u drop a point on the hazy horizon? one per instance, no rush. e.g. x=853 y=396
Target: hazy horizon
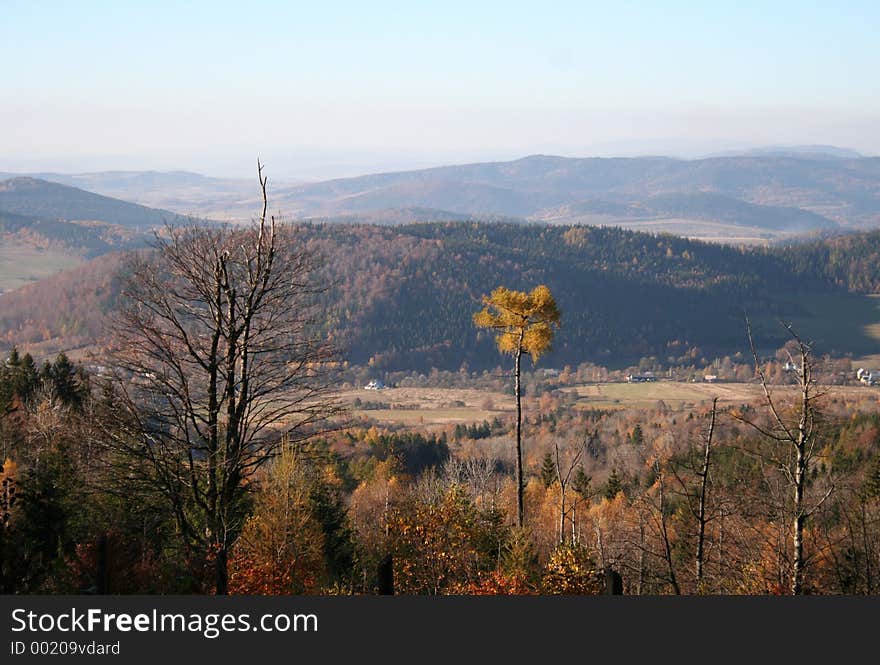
x=320 y=92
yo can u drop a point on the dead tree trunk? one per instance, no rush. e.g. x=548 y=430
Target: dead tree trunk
x=664 y=533
x=796 y=435
x=704 y=488
x=520 y=488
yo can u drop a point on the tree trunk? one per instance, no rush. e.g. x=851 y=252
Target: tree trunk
x=798 y=536
x=704 y=482
x=641 y=583
x=667 y=545
x=800 y=476
x=561 y=512
x=869 y=577
x=519 y=462
x=222 y=573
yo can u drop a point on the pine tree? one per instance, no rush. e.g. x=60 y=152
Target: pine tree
x=29 y=377
x=637 y=438
x=65 y=381
x=581 y=483
x=872 y=482
x=613 y=486
x=548 y=470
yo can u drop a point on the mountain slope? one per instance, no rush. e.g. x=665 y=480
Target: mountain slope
x=182 y=192
x=45 y=200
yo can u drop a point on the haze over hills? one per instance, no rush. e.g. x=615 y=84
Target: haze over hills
x=835 y=191
x=810 y=151
x=184 y=192
x=787 y=189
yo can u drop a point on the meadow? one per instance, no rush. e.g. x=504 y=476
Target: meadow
x=436 y=407
x=22 y=264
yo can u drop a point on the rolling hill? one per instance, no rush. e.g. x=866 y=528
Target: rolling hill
x=183 y=192
x=403 y=296
x=50 y=201
x=779 y=192
x=785 y=190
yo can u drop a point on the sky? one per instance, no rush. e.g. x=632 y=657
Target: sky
x=337 y=88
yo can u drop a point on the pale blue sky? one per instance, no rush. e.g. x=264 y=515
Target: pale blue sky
x=209 y=85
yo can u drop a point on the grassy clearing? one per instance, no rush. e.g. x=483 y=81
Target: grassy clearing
x=646 y=395
x=427 y=416
x=21 y=264
x=696 y=229
x=436 y=407
x=428 y=406
x=706 y=231
x=677 y=395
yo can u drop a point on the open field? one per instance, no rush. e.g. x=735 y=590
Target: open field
x=674 y=394
x=21 y=264
x=706 y=231
x=680 y=395
x=428 y=406
x=696 y=229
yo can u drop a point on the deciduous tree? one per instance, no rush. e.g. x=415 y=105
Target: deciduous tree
x=215 y=357
x=524 y=324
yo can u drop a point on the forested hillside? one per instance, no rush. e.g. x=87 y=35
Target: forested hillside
x=403 y=297
x=88 y=240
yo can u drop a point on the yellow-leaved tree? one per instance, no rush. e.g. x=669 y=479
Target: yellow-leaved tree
x=524 y=324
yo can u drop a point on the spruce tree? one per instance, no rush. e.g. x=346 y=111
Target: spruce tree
x=872 y=482
x=581 y=483
x=614 y=486
x=548 y=470
x=637 y=438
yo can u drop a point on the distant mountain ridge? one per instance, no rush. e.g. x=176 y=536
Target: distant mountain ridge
x=818 y=151
x=826 y=191
x=183 y=192
x=787 y=189
x=44 y=214
x=32 y=197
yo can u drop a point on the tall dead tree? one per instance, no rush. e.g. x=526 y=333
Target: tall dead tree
x=696 y=494
x=792 y=428
x=565 y=470
x=662 y=524
x=215 y=359
x=703 y=475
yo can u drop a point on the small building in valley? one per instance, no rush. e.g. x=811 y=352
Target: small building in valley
x=643 y=377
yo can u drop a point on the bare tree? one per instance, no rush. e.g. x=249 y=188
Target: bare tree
x=793 y=431
x=658 y=515
x=703 y=475
x=215 y=359
x=697 y=498
x=565 y=475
